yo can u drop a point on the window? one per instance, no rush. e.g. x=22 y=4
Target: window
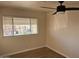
x=13 y=26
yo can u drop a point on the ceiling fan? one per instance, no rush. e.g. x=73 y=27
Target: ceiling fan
x=62 y=8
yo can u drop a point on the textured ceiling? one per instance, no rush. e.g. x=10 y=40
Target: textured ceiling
x=36 y=4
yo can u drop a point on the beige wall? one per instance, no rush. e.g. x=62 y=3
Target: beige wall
x=63 y=33
x=18 y=43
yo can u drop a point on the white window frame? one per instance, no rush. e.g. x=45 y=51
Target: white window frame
x=13 y=25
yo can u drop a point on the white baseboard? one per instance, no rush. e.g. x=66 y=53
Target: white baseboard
x=7 y=55
x=58 y=52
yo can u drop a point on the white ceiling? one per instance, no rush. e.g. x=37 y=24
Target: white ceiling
x=36 y=4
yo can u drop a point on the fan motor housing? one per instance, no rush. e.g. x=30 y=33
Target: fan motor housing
x=61 y=8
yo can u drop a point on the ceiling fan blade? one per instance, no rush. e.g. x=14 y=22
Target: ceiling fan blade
x=48 y=7
x=73 y=8
x=54 y=13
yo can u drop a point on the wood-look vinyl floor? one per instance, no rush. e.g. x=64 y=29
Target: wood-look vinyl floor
x=38 y=53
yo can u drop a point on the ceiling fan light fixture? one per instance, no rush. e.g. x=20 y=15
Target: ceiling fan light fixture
x=60 y=12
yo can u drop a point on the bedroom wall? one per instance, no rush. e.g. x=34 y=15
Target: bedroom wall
x=63 y=33
x=18 y=43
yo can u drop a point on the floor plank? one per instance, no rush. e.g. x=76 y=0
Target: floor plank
x=38 y=53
